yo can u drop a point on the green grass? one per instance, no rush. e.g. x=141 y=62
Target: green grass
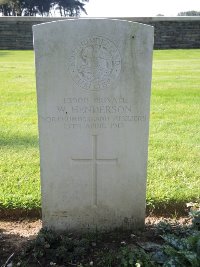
x=174 y=145
x=19 y=161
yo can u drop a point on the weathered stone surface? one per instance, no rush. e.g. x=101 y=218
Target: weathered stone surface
x=93 y=87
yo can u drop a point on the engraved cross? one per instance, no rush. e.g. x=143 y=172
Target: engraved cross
x=95 y=160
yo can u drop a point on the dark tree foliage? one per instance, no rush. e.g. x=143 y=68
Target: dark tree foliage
x=70 y=7
x=189 y=13
x=41 y=7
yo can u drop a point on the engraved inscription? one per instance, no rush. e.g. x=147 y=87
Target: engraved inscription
x=95 y=160
x=94 y=113
x=95 y=63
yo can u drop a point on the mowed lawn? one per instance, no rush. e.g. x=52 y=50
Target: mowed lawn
x=174 y=145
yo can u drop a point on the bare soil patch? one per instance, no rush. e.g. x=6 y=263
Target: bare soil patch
x=14 y=235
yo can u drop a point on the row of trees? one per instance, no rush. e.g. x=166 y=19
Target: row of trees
x=189 y=13
x=42 y=7
x=185 y=13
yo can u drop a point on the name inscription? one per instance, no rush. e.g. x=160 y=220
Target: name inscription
x=95 y=113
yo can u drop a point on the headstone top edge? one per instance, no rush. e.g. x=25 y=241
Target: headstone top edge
x=78 y=20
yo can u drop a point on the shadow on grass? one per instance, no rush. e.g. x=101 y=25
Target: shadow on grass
x=18 y=214
x=172 y=208
x=16 y=140
x=5 y=53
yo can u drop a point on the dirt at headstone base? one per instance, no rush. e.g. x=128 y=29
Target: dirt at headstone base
x=15 y=235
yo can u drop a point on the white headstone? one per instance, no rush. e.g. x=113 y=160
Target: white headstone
x=93 y=88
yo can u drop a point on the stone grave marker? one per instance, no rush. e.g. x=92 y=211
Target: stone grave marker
x=93 y=86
